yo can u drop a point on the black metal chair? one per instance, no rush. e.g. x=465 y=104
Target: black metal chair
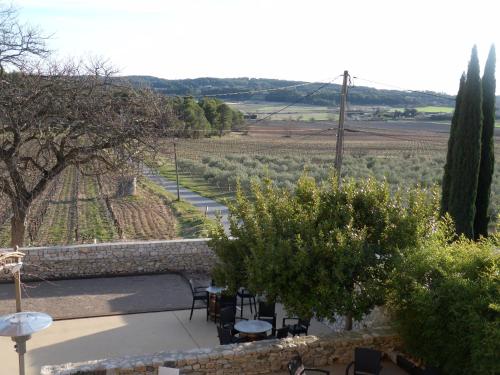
x=366 y=362
x=412 y=369
x=267 y=313
x=226 y=336
x=301 y=327
x=225 y=301
x=227 y=318
x=282 y=333
x=296 y=367
x=244 y=293
x=199 y=293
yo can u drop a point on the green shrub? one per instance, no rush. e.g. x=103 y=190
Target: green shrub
x=320 y=250
x=445 y=302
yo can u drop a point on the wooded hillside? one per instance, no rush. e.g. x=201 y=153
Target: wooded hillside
x=329 y=95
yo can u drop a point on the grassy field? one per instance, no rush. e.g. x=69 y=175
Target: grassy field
x=294 y=113
x=431 y=109
x=82 y=209
x=312 y=113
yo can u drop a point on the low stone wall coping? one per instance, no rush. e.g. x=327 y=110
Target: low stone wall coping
x=258 y=357
x=127 y=245
x=115 y=258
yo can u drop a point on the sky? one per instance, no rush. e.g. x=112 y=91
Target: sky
x=418 y=45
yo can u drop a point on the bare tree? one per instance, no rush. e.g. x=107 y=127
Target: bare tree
x=18 y=42
x=71 y=114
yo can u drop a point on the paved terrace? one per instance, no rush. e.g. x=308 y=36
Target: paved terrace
x=75 y=340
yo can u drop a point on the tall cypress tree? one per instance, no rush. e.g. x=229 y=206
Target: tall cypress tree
x=466 y=153
x=445 y=196
x=487 y=148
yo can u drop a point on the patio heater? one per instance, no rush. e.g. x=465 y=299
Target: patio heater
x=21 y=325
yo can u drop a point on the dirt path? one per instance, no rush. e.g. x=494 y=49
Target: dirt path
x=211 y=207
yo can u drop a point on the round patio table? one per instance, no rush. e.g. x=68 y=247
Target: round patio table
x=215 y=289
x=253 y=329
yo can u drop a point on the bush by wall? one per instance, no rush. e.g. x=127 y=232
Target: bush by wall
x=445 y=302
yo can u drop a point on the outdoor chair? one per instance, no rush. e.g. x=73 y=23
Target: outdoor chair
x=281 y=333
x=227 y=318
x=199 y=293
x=296 y=367
x=267 y=313
x=413 y=369
x=244 y=293
x=301 y=327
x=366 y=362
x=226 y=336
x=225 y=301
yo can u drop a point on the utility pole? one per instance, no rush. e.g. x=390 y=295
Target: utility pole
x=17 y=280
x=176 y=173
x=340 y=132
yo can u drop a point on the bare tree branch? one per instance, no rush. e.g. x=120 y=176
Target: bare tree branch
x=18 y=43
x=69 y=114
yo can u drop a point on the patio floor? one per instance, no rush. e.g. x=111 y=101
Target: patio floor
x=76 y=340
x=115 y=336
x=84 y=298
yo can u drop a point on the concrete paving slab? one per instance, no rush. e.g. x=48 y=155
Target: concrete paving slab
x=106 y=337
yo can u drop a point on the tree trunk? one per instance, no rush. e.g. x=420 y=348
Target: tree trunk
x=348 y=322
x=18 y=226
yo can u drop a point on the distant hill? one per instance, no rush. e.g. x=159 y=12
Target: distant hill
x=328 y=96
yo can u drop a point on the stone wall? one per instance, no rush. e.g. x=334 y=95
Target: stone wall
x=123 y=258
x=262 y=357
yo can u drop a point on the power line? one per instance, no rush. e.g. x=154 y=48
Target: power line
x=257 y=91
x=298 y=100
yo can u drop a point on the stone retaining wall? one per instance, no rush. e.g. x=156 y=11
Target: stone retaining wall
x=262 y=357
x=109 y=259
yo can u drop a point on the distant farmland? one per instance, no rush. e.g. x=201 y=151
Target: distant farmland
x=402 y=152
x=294 y=113
x=311 y=113
x=83 y=209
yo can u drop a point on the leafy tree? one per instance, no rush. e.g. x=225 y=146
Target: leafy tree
x=225 y=117
x=445 y=195
x=327 y=96
x=444 y=302
x=237 y=118
x=321 y=251
x=209 y=106
x=466 y=153
x=195 y=122
x=487 y=148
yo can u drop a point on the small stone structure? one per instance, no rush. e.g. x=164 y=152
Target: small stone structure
x=261 y=357
x=126 y=186
x=111 y=259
